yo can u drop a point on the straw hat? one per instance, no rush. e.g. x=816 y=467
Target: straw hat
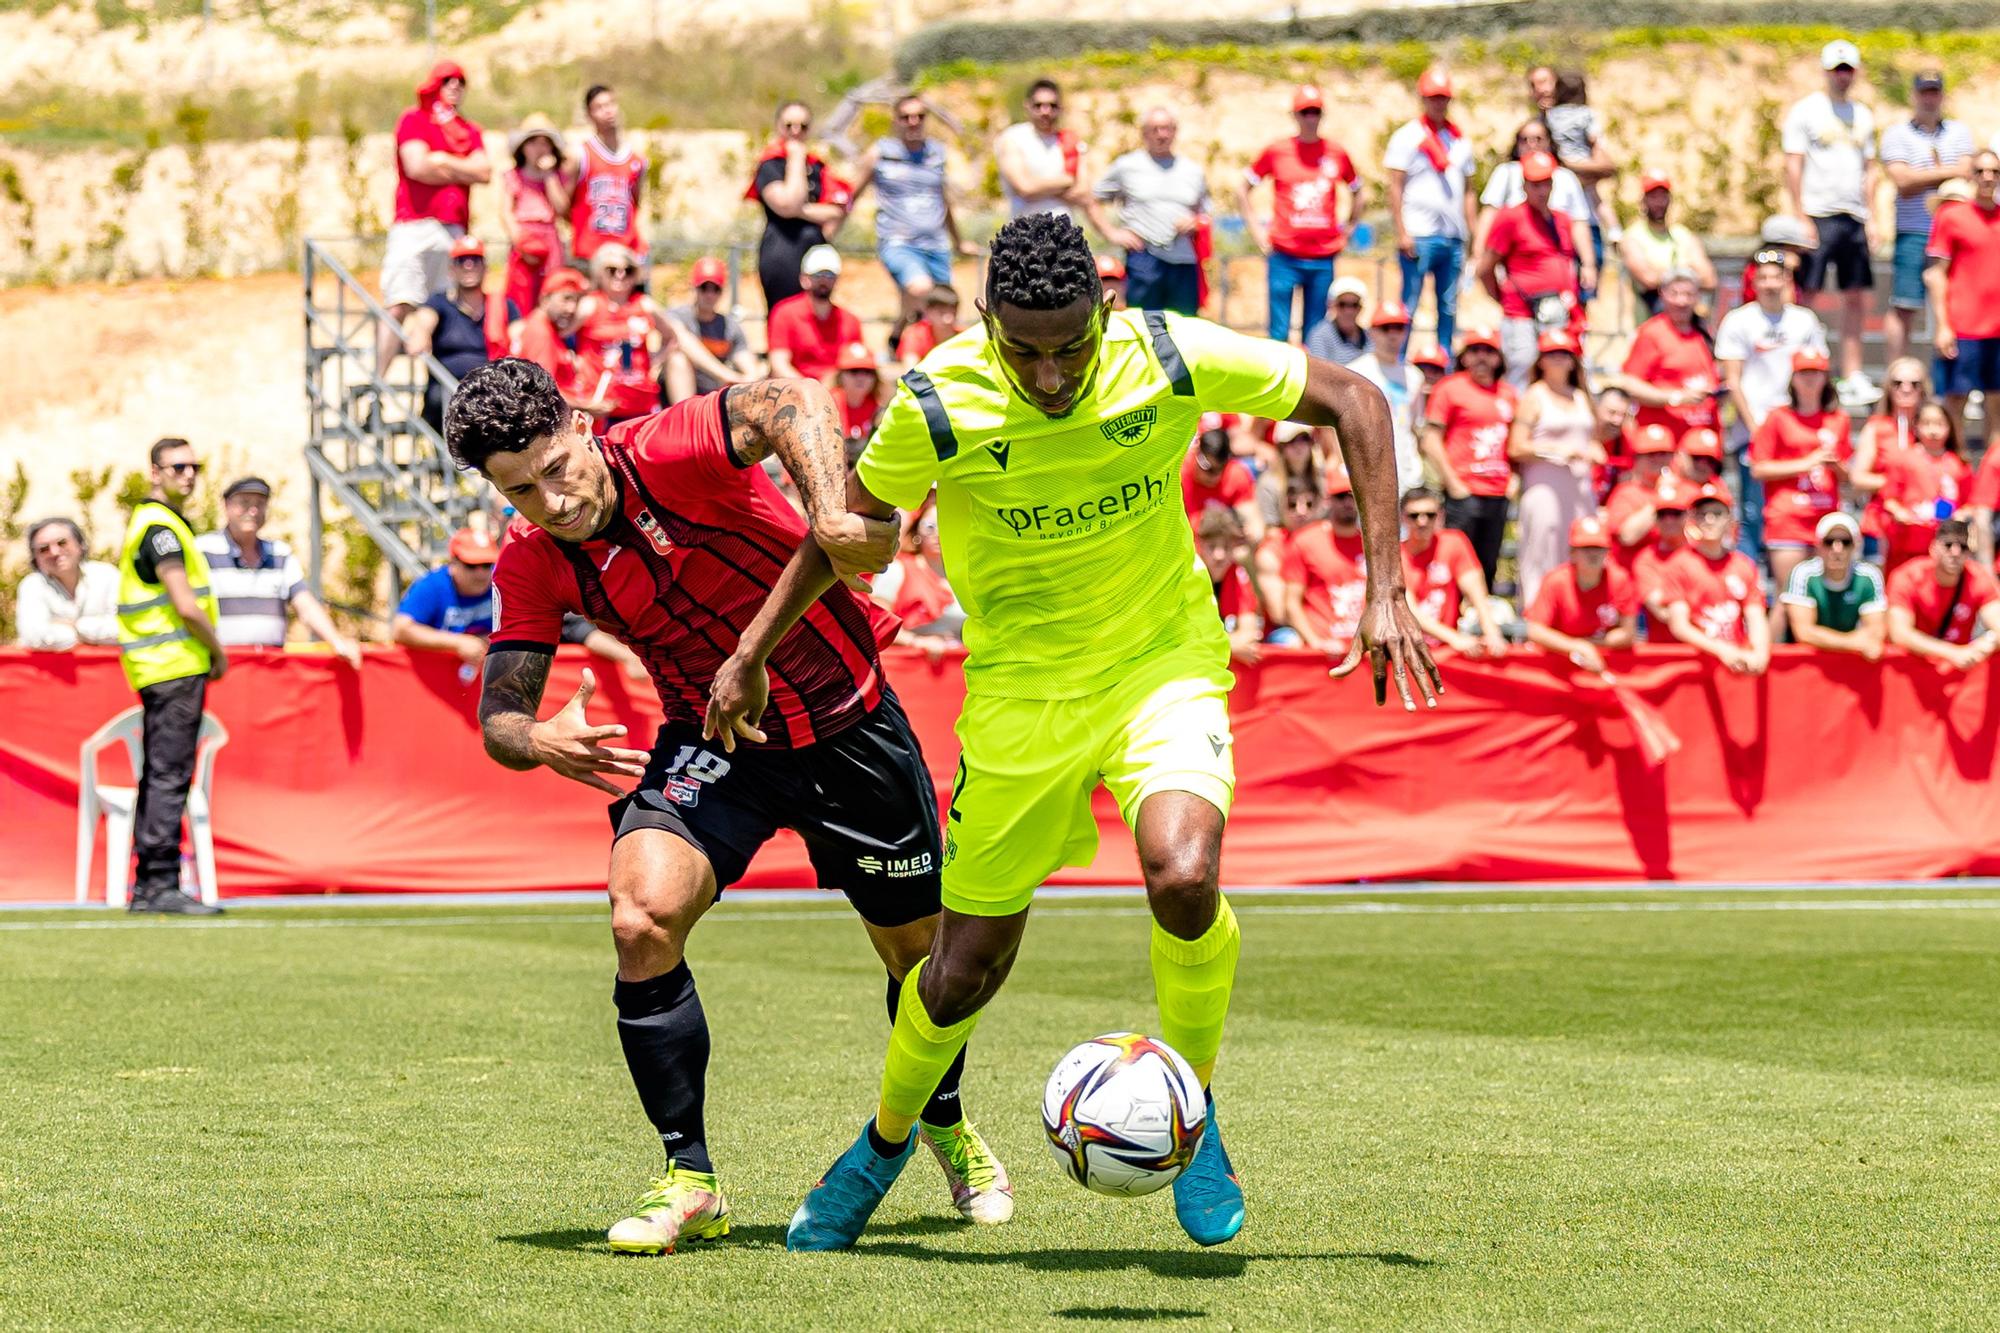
x=535 y=125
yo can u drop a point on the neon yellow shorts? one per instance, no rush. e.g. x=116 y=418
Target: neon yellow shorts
x=1020 y=806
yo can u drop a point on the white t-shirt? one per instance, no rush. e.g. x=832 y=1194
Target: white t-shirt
x=1504 y=189
x=1039 y=153
x=1403 y=385
x=1766 y=346
x=1433 y=202
x=1837 y=144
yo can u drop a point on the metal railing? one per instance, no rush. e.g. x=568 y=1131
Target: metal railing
x=368 y=443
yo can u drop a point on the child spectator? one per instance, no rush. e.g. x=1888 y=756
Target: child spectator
x=1630 y=509
x=1834 y=602
x=1715 y=595
x=939 y=324
x=857 y=392
x=1799 y=454
x=1587 y=606
x=1905 y=389
x=1648 y=563
x=916 y=590
x=1325 y=574
x=1224 y=551
x=1921 y=487
x=1210 y=478
x=1577 y=136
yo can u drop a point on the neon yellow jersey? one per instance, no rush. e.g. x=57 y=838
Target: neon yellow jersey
x=1066 y=539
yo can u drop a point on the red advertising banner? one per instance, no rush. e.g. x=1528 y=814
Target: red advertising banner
x=1826 y=768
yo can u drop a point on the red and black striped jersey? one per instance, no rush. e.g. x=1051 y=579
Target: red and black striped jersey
x=685 y=564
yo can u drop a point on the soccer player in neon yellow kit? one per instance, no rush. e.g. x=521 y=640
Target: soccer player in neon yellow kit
x=1055 y=435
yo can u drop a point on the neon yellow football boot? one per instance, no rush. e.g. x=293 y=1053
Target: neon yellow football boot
x=979 y=1186
x=681 y=1205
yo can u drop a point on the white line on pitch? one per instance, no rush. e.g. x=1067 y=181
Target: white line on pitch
x=1250 y=909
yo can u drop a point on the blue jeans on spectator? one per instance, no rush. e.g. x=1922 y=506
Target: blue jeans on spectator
x=1152 y=283
x=907 y=262
x=1441 y=257
x=1749 y=502
x=1285 y=274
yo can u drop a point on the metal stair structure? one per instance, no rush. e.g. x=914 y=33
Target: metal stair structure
x=368 y=444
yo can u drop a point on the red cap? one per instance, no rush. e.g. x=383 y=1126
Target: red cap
x=1810 y=360
x=1653 y=439
x=1538 y=167
x=1390 y=311
x=1702 y=442
x=1434 y=82
x=1431 y=356
x=1307 y=95
x=1672 y=492
x=1479 y=338
x=1589 y=531
x=1558 y=340
x=856 y=356
x=1710 y=491
x=1110 y=268
x=565 y=280
x=1656 y=180
x=708 y=269
x=1338 y=482
x=468 y=245
x=469 y=546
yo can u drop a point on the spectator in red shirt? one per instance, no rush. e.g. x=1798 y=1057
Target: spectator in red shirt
x=1670 y=370
x=1944 y=606
x=1905 y=388
x=916 y=592
x=1111 y=271
x=939 y=324
x=1442 y=575
x=609 y=179
x=1648 y=563
x=616 y=323
x=1980 y=504
x=1699 y=456
x=1308 y=175
x=807 y=331
x=533 y=195
x=1210 y=478
x=1303 y=502
x=544 y=337
x=1799 y=453
x=1225 y=553
x=1614 y=436
x=1544 y=256
x=1629 y=510
x=1921 y=487
x=1588 y=606
x=1326 y=576
x=440 y=156
x=857 y=392
x=1964 y=284
x=1715 y=595
x=1467 y=419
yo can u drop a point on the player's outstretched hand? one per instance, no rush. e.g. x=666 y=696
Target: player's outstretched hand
x=736 y=703
x=1389 y=634
x=572 y=747
x=856 y=544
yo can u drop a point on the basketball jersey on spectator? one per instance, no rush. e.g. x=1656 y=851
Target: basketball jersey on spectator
x=606 y=206
x=612 y=350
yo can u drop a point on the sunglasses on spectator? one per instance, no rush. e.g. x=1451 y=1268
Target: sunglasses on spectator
x=1906 y=384
x=192 y=469
x=1309 y=111
x=1347 y=303
x=915 y=117
x=618 y=271
x=1420 y=515
x=708 y=287
x=1045 y=106
x=1954 y=544
x=1836 y=541
x=1986 y=171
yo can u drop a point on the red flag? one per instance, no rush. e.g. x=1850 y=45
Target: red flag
x=1656 y=739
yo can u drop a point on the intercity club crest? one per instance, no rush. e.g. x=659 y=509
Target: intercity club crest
x=1132 y=428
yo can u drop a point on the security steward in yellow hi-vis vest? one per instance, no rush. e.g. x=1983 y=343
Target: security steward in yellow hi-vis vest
x=167 y=641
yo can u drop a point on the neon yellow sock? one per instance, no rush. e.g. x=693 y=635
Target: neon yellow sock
x=1193 y=979
x=919 y=1053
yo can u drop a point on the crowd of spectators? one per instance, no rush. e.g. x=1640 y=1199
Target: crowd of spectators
x=1719 y=482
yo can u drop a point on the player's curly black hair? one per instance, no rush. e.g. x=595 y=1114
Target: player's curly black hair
x=1041 y=261
x=501 y=408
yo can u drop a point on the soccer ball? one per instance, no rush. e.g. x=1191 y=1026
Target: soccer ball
x=1124 y=1114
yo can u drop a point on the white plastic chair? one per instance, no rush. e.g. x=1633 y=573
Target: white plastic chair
x=119 y=806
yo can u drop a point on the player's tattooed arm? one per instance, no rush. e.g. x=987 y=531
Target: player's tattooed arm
x=566 y=743
x=798 y=421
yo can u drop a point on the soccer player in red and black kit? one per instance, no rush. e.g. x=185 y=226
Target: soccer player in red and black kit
x=667 y=534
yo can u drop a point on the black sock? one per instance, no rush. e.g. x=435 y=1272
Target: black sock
x=942 y=1110
x=665 y=1035
x=882 y=1146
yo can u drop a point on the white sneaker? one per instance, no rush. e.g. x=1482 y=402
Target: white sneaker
x=1857 y=391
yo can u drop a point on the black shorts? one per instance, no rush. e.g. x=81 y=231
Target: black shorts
x=1842 y=253
x=862 y=800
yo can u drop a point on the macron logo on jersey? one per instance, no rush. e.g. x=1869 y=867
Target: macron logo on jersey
x=1000 y=450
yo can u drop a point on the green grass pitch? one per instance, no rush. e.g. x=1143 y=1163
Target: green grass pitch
x=1512 y=1110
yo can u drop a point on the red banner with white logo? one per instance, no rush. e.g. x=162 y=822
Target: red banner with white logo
x=1827 y=768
